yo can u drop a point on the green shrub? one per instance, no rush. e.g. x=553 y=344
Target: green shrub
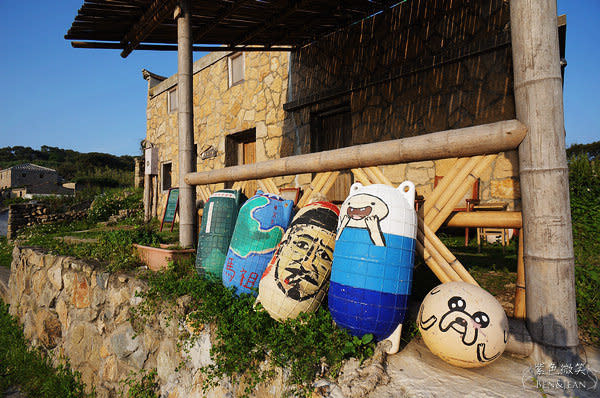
x=584 y=183
x=244 y=334
x=109 y=203
x=5 y=252
x=142 y=384
x=30 y=369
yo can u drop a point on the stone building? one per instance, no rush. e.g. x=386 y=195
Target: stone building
x=27 y=175
x=431 y=75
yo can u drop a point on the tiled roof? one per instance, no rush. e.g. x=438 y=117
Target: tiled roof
x=29 y=167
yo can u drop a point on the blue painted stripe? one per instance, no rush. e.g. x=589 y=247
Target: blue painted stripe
x=362 y=311
x=359 y=263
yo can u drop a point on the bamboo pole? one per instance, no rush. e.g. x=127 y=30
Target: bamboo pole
x=467 y=184
x=316 y=182
x=361 y=176
x=380 y=177
x=262 y=186
x=470 y=141
x=449 y=189
x=444 y=183
x=548 y=236
x=432 y=264
x=485 y=219
x=549 y=265
x=371 y=175
x=425 y=234
x=236 y=185
x=520 y=310
x=330 y=182
x=271 y=185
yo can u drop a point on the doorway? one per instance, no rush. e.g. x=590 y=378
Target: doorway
x=240 y=148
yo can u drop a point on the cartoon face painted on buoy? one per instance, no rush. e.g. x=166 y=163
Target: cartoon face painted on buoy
x=364 y=211
x=455 y=316
x=307 y=253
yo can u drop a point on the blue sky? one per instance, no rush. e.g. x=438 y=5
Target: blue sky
x=94 y=100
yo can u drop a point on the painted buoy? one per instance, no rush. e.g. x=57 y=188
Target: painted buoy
x=463 y=324
x=373 y=260
x=296 y=279
x=259 y=228
x=218 y=222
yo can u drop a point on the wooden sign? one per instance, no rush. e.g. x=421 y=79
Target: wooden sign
x=171 y=208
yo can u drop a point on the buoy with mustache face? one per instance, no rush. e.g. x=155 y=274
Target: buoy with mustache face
x=296 y=279
x=371 y=275
x=463 y=324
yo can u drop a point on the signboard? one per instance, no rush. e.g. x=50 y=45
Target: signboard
x=171 y=207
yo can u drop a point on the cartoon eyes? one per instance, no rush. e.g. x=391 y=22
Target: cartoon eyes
x=481 y=318
x=372 y=203
x=324 y=255
x=457 y=303
x=301 y=244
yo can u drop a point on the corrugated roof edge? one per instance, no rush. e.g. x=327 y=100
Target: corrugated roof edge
x=29 y=166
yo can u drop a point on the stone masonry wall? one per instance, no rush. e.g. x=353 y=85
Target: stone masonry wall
x=220 y=110
x=75 y=309
x=25 y=215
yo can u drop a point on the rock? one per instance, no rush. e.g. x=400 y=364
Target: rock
x=82 y=344
x=81 y=293
x=48 y=328
x=123 y=342
x=55 y=276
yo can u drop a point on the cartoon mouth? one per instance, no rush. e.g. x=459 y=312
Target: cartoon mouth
x=358 y=213
x=460 y=325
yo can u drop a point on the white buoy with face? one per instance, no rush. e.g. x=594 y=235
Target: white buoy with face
x=463 y=324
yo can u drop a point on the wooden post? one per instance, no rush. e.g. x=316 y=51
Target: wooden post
x=147 y=197
x=187 y=193
x=520 y=309
x=548 y=240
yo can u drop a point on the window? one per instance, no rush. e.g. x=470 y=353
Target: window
x=236 y=68
x=166 y=176
x=41 y=175
x=172 y=100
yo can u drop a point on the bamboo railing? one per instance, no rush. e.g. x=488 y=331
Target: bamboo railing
x=475 y=147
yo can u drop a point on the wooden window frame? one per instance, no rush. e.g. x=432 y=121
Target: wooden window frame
x=230 y=60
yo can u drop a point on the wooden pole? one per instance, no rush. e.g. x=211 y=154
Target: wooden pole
x=185 y=116
x=448 y=188
x=520 y=309
x=467 y=184
x=432 y=264
x=485 y=219
x=330 y=182
x=442 y=186
x=154 y=180
x=548 y=238
x=470 y=141
x=433 y=243
x=147 y=197
x=361 y=176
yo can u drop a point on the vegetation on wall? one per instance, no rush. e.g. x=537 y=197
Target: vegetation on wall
x=245 y=335
x=29 y=368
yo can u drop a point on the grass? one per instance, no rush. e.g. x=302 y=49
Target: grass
x=5 y=252
x=29 y=368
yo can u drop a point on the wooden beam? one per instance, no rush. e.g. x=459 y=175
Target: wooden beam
x=169 y=47
x=488 y=138
x=153 y=16
x=223 y=14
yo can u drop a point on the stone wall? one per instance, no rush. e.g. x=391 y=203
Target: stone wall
x=418 y=68
x=221 y=110
x=75 y=309
x=25 y=215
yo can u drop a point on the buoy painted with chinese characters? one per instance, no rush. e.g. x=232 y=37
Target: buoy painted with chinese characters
x=259 y=228
x=218 y=221
x=463 y=324
x=296 y=279
x=373 y=261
